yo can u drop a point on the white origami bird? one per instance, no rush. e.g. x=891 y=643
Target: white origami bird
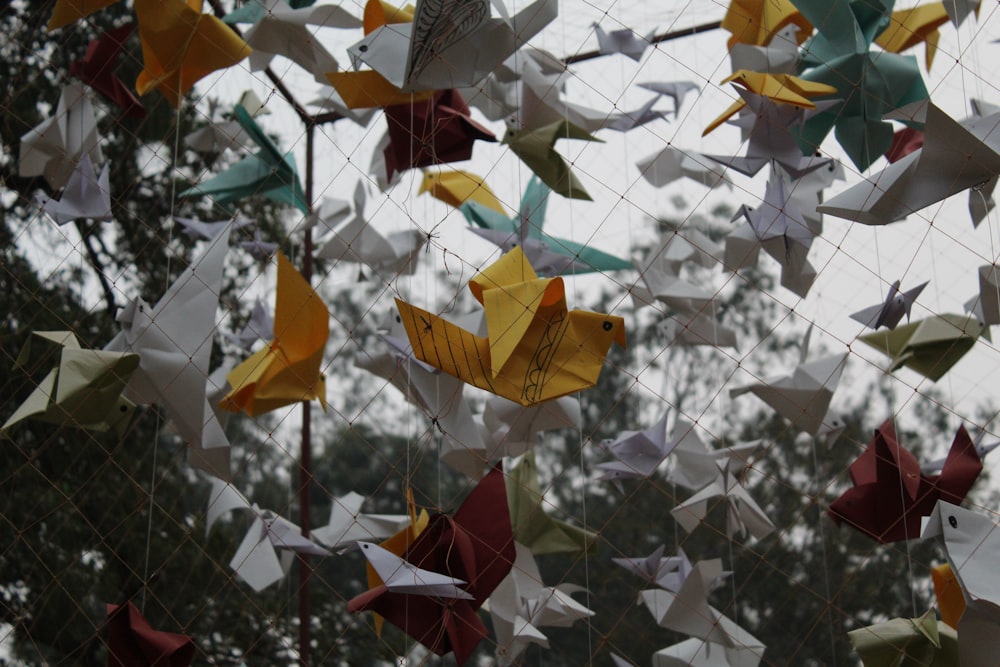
x=623 y=41
x=54 y=146
x=803 y=397
x=174 y=341
x=972 y=545
x=743 y=514
x=87 y=195
x=748 y=652
x=402 y=577
x=694 y=466
x=256 y=560
x=891 y=311
x=638 y=453
x=347 y=524
x=195 y=228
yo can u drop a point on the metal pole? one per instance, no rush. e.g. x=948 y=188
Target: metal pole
x=305 y=453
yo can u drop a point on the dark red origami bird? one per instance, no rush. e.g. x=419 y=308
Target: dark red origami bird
x=890 y=494
x=97 y=70
x=434 y=131
x=476 y=546
x=133 y=643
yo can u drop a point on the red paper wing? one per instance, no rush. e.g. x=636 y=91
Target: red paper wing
x=863 y=469
x=97 y=66
x=960 y=470
x=132 y=642
x=895 y=466
x=485 y=516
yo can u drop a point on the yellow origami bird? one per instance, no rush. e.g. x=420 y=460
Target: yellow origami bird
x=536 y=349
x=757 y=21
x=287 y=370
x=70 y=11
x=180 y=46
x=455 y=187
x=779 y=88
x=367 y=89
x=909 y=27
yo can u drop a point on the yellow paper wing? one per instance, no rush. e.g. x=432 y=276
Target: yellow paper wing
x=757 y=21
x=379 y=13
x=518 y=313
x=180 y=46
x=69 y=11
x=909 y=27
x=368 y=88
x=512 y=268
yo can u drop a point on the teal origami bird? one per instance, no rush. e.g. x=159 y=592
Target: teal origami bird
x=549 y=255
x=268 y=173
x=870 y=83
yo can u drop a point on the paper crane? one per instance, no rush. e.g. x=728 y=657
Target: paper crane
x=638 y=453
x=889 y=313
x=521 y=605
x=53 y=147
x=474 y=546
x=743 y=514
x=96 y=69
x=748 y=652
x=194 y=228
x=84 y=390
x=955 y=157
x=536 y=148
x=694 y=466
x=533 y=527
x=971 y=542
x=667 y=572
x=181 y=46
x=132 y=641
x=671 y=164
x=435 y=131
x=87 y=196
x=456 y=187
x=528 y=226
x=907 y=641
x=257 y=560
x=401 y=577
x=449 y=45
x=536 y=349
x=622 y=41
x=929 y=347
x=260 y=326
x=890 y=494
x=280 y=28
x=174 y=340
x=675 y=90
x=268 y=173
x=288 y=370
x=348 y=524
x=803 y=397
x=513 y=429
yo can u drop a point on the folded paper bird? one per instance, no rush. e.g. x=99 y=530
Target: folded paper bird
x=929 y=347
x=535 y=350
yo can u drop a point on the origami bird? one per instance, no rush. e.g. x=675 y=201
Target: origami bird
x=929 y=347
x=536 y=349
x=257 y=247
x=912 y=26
x=743 y=514
x=697 y=328
x=671 y=164
x=660 y=280
x=521 y=605
x=622 y=41
x=982 y=449
x=513 y=429
x=748 y=652
x=84 y=390
x=870 y=83
x=132 y=641
x=357 y=241
x=348 y=524
x=456 y=187
x=287 y=370
x=398 y=576
x=638 y=453
x=195 y=228
x=268 y=173
x=757 y=21
x=890 y=494
x=667 y=572
x=96 y=69
x=971 y=542
x=257 y=560
x=779 y=89
x=68 y=11
x=889 y=313
x=435 y=131
x=527 y=226
x=260 y=326
x=174 y=340
x=533 y=526
x=53 y=147
x=694 y=466
x=803 y=397
x=87 y=196
x=449 y=44
x=181 y=46
x=675 y=90
x=280 y=28
x=955 y=157
x=474 y=546
x=536 y=148
x=907 y=642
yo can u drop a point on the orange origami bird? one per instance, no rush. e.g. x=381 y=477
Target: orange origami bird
x=536 y=349
x=180 y=46
x=69 y=11
x=287 y=370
